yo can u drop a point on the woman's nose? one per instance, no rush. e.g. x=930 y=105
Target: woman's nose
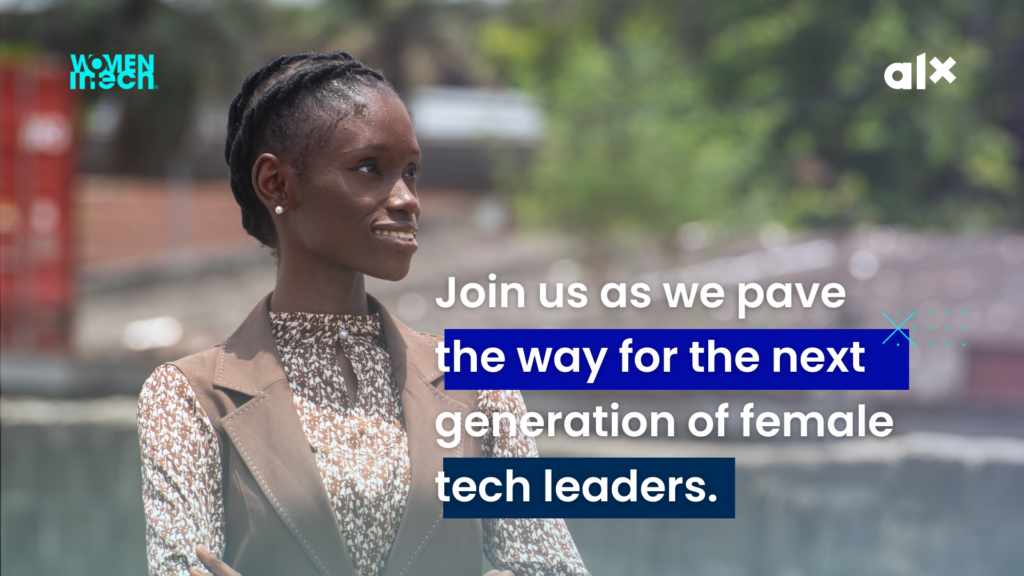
x=404 y=199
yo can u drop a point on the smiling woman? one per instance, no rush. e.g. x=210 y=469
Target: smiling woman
x=305 y=443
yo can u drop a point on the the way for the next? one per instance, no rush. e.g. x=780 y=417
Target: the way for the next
x=704 y=358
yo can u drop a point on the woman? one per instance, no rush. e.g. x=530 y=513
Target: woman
x=305 y=443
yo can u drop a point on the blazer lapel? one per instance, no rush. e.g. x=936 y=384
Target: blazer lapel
x=415 y=368
x=268 y=435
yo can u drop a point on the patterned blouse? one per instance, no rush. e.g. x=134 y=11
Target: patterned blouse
x=361 y=449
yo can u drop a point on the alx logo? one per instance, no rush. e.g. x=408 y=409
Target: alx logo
x=904 y=68
x=121 y=70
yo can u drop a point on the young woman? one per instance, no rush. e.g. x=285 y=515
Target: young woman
x=305 y=443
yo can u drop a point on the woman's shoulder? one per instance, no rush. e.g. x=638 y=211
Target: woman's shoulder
x=433 y=338
x=165 y=379
x=200 y=366
x=165 y=393
x=173 y=381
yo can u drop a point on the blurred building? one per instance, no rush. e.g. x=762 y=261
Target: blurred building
x=469 y=134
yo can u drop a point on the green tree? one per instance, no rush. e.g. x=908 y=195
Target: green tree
x=633 y=141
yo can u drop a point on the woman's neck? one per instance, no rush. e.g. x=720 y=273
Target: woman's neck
x=319 y=289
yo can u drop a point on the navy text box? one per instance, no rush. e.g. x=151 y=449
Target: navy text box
x=717 y=493
x=885 y=366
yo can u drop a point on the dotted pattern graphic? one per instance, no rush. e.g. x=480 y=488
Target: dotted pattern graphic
x=949 y=329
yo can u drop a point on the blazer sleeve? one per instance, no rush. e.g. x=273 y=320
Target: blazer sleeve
x=181 y=474
x=526 y=546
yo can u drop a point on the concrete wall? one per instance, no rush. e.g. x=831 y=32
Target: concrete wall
x=71 y=501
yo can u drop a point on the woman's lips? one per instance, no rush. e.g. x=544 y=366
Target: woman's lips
x=403 y=240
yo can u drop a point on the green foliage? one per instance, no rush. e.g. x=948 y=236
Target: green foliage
x=662 y=113
x=634 y=141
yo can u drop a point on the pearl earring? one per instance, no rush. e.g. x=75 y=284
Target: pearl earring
x=279 y=209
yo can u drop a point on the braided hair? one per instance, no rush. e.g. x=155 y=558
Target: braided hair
x=280 y=102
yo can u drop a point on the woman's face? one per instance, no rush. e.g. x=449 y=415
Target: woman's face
x=355 y=205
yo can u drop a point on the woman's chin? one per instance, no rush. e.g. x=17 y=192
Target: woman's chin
x=390 y=273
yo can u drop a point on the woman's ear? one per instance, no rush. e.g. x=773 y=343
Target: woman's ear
x=269 y=179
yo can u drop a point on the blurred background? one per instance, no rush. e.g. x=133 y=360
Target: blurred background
x=657 y=141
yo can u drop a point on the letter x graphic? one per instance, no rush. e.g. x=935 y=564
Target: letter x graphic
x=941 y=71
x=898 y=328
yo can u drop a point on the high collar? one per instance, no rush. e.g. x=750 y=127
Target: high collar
x=304 y=329
x=251 y=361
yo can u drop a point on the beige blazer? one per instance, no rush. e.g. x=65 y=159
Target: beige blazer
x=279 y=520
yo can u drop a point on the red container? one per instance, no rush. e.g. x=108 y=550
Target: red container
x=37 y=163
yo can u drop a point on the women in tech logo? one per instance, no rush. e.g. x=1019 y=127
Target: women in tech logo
x=124 y=70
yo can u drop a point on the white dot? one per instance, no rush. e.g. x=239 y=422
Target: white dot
x=712 y=498
x=774 y=235
x=615 y=405
x=694 y=235
x=492 y=276
x=159 y=332
x=863 y=265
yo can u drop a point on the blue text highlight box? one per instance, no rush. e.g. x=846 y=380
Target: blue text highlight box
x=717 y=497
x=884 y=366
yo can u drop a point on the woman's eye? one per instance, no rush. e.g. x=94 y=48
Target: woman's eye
x=368 y=168
x=411 y=173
